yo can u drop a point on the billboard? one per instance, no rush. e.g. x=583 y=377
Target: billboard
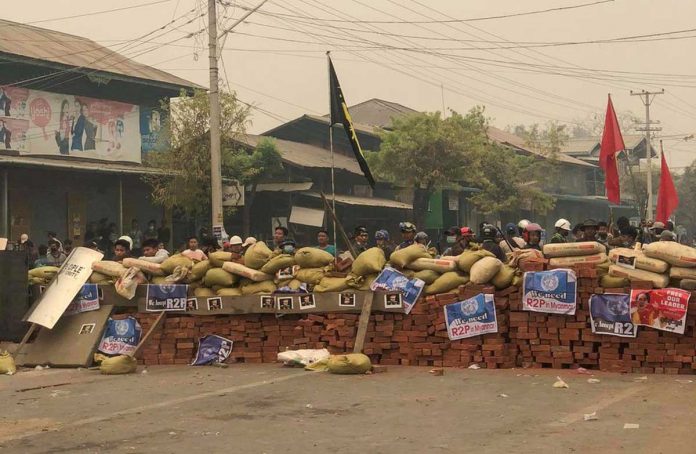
x=39 y=123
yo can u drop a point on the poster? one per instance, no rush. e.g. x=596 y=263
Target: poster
x=121 y=337
x=663 y=309
x=151 y=123
x=471 y=317
x=166 y=297
x=553 y=292
x=71 y=276
x=212 y=349
x=610 y=313
x=86 y=300
x=35 y=122
x=391 y=280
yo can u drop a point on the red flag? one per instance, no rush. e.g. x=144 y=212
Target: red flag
x=667 y=198
x=612 y=143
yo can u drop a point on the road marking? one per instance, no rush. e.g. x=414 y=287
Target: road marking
x=604 y=403
x=154 y=406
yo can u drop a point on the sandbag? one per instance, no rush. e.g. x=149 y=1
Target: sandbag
x=360 y=282
x=572 y=249
x=679 y=272
x=257 y=255
x=352 y=363
x=447 y=282
x=44 y=272
x=217 y=258
x=438 y=265
x=118 y=365
x=254 y=288
x=517 y=281
x=278 y=263
x=688 y=284
x=109 y=268
x=331 y=284
x=198 y=271
x=407 y=255
x=311 y=257
x=310 y=275
x=294 y=284
x=613 y=282
x=127 y=284
x=369 y=262
x=219 y=276
x=154 y=269
x=484 y=270
x=579 y=259
x=658 y=280
x=245 y=271
x=466 y=259
x=170 y=264
x=643 y=262
x=7 y=364
x=671 y=252
x=235 y=291
x=427 y=276
x=204 y=292
x=99 y=278
x=159 y=280
x=504 y=277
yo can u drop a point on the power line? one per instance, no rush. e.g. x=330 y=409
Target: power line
x=94 y=13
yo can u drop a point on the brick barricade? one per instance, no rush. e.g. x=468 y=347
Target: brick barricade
x=524 y=339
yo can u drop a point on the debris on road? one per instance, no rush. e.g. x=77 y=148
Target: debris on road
x=592 y=381
x=560 y=383
x=474 y=366
x=591 y=416
x=631 y=426
x=439 y=372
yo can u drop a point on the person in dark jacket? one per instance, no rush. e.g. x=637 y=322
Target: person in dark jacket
x=488 y=242
x=382 y=241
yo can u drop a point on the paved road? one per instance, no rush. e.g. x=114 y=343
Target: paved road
x=270 y=409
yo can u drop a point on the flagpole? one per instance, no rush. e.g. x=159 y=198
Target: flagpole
x=333 y=168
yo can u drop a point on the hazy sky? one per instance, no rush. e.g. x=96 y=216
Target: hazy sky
x=277 y=62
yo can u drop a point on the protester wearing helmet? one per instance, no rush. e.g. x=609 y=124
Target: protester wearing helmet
x=360 y=237
x=382 y=242
x=488 y=242
x=408 y=232
x=423 y=239
x=532 y=235
x=513 y=238
x=521 y=226
x=464 y=243
x=589 y=230
x=562 y=231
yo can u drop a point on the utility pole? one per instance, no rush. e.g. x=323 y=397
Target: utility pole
x=647 y=97
x=215 y=166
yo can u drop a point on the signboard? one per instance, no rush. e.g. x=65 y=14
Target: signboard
x=391 y=280
x=663 y=309
x=553 y=292
x=166 y=297
x=610 y=313
x=121 y=337
x=86 y=300
x=471 y=317
x=36 y=122
x=307 y=216
x=151 y=122
x=232 y=195
x=64 y=287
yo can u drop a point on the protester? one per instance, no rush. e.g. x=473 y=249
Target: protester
x=67 y=246
x=562 y=231
x=248 y=243
x=279 y=235
x=513 y=237
x=127 y=239
x=628 y=237
x=55 y=256
x=655 y=231
x=151 y=231
x=27 y=246
x=666 y=235
x=323 y=242
x=382 y=242
x=488 y=242
x=210 y=245
x=521 y=226
x=532 y=236
x=408 y=232
x=121 y=250
x=464 y=243
x=53 y=237
x=152 y=252
x=602 y=232
x=423 y=239
x=137 y=236
x=451 y=236
x=360 y=237
x=193 y=252
x=42 y=260
x=236 y=247
x=578 y=233
x=92 y=245
x=288 y=246
x=589 y=230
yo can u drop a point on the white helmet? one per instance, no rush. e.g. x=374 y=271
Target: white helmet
x=562 y=224
x=523 y=224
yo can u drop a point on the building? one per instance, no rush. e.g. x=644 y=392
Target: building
x=76 y=119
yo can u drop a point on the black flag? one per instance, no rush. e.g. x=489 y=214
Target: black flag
x=339 y=114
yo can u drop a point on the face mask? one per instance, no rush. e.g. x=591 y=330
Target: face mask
x=451 y=239
x=288 y=250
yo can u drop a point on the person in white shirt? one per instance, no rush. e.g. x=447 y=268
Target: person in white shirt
x=193 y=252
x=152 y=253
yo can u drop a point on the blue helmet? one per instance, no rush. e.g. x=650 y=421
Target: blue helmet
x=511 y=228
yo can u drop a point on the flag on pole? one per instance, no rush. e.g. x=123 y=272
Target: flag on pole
x=339 y=114
x=612 y=143
x=667 y=198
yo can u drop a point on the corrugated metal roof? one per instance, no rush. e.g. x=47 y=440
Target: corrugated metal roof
x=580 y=146
x=304 y=155
x=38 y=43
x=363 y=201
x=377 y=112
x=89 y=166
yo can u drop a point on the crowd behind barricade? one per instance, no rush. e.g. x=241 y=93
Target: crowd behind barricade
x=150 y=244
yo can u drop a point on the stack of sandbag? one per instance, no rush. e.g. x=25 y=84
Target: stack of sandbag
x=682 y=259
x=42 y=275
x=569 y=254
x=313 y=265
x=475 y=266
x=646 y=269
x=106 y=272
x=365 y=269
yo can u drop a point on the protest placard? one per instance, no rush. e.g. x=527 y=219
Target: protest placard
x=610 y=313
x=86 y=300
x=663 y=309
x=553 y=292
x=391 y=280
x=166 y=297
x=471 y=317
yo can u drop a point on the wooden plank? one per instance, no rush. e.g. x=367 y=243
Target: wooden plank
x=362 y=323
x=147 y=335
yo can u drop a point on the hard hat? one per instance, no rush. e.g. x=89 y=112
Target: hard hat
x=359 y=230
x=657 y=225
x=562 y=224
x=382 y=235
x=407 y=227
x=523 y=223
x=488 y=231
x=533 y=227
x=421 y=237
x=235 y=240
x=466 y=231
x=452 y=231
x=127 y=239
x=510 y=228
x=249 y=241
x=589 y=223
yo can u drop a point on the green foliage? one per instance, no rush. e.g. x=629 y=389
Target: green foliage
x=249 y=169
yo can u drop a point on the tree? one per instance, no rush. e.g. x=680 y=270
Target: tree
x=593 y=125
x=634 y=186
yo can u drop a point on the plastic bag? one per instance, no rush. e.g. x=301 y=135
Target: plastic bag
x=127 y=284
x=302 y=357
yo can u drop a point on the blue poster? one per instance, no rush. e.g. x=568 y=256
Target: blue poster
x=166 y=297
x=212 y=349
x=120 y=336
x=553 y=292
x=86 y=300
x=391 y=280
x=151 y=123
x=471 y=317
x=610 y=313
